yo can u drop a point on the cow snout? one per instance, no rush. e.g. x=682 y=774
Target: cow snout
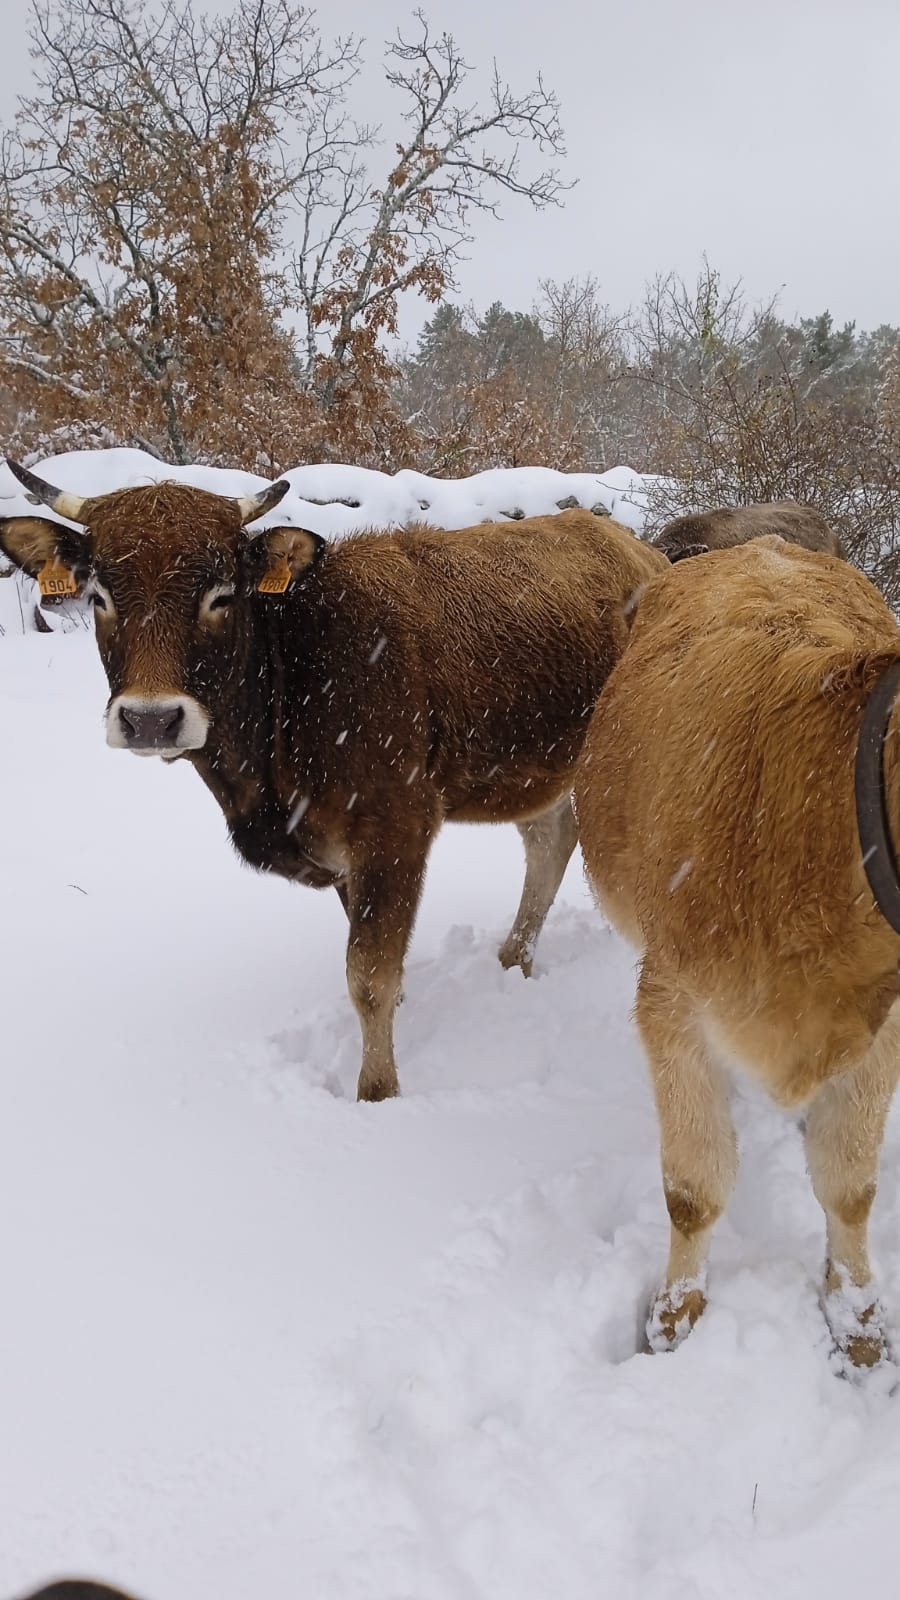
x=150 y=728
x=156 y=725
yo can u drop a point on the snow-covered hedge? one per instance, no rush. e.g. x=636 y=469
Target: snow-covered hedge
x=330 y=500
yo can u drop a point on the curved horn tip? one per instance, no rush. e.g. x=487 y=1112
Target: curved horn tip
x=256 y=505
x=40 y=492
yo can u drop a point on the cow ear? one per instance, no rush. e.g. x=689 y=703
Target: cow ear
x=279 y=555
x=39 y=546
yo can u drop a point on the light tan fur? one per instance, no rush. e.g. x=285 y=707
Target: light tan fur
x=715 y=805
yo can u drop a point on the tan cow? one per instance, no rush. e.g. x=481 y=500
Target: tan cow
x=342 y=701
x=717 y=815
x=701 y=531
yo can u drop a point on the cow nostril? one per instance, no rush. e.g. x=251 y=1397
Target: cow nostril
x=147 y=727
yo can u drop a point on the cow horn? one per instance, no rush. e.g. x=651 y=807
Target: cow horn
x=42 y=493
x=251 y=506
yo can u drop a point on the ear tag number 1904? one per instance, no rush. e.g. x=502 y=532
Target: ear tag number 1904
x=55 y=580
x=277 y=579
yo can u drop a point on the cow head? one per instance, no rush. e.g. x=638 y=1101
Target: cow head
x=167 y=569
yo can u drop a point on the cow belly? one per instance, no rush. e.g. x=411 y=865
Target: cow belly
x=792 y=1053
x=509 y=778
x=509 y=804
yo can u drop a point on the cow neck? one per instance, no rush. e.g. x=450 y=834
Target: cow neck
x=877 y=790
x=247 y=708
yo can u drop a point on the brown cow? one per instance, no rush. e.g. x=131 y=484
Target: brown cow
x=384 y=684
x=716 y=806
x=702 y=531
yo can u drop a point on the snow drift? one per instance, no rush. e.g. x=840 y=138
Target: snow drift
x=259 y=1340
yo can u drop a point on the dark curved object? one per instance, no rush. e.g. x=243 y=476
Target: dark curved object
x=77 y=1589
x=687 y=552
x=872 y=821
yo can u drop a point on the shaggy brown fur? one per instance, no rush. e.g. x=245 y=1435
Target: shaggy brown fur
x=715 y=803
x=405 y=679
x=702 y=531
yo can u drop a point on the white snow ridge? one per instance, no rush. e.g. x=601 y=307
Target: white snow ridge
x=329 y=500
x=262 y=1343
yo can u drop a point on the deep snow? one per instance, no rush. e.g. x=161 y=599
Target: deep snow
x=261 y=1341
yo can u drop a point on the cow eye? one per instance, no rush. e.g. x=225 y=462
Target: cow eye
x=218 y=598
x=98 y=597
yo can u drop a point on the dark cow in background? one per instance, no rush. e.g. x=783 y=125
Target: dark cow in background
x=341 y=701
x=702 y=531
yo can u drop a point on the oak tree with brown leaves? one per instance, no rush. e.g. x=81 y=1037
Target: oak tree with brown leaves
x=194 y=253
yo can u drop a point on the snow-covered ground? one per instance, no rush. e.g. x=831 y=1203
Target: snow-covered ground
x=259 y=1340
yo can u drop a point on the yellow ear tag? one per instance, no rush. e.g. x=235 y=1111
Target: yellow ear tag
x=56 y=580
x=277 y=579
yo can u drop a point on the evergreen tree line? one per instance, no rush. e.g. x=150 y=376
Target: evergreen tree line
x=727 y=403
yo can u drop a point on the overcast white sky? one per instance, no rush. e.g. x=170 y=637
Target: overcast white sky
x=766 y=133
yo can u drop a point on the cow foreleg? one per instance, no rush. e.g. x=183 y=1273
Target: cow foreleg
x=549 y=841
x=697 y=1146
x=843 y=1138
x=382 y=900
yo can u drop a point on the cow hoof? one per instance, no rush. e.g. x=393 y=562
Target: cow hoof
x=673 y=1314
x=380 y=1089
x=865 y=1350
x=856 y=1320
x=513 y=955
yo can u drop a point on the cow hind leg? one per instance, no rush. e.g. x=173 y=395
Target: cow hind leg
x=549 y=841
x=844 y=1131
x=382 y=900
x=697 y=1145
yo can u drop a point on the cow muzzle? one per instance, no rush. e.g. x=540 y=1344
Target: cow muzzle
x=156 y=725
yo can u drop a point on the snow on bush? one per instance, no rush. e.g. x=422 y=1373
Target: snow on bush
x=329 y=499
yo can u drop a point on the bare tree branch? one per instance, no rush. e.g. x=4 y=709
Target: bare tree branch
x=190 y=228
